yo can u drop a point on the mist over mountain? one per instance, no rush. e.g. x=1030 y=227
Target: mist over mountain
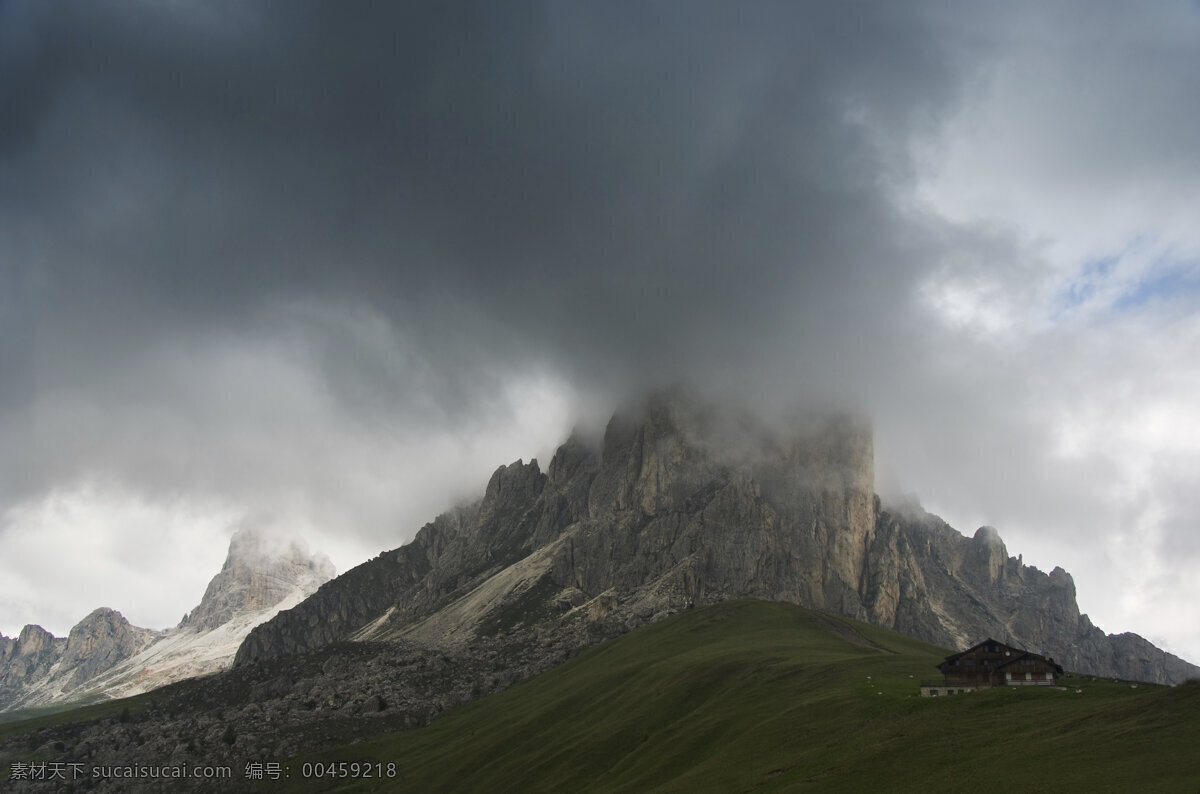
x=261 y=571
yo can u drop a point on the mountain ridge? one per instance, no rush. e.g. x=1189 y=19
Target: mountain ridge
x=683 y=504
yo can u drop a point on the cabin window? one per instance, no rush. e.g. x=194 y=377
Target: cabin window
x=1027 y=662
x=1008 y=676
x=1029 y=676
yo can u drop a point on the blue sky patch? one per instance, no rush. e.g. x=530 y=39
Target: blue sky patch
x=1080 y=290
x=1159 y=285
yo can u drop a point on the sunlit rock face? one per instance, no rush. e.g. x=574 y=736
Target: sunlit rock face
x=97 y=643
x=682 y=503
x=28 y=657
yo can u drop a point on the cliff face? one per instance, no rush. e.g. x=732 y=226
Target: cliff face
x=104 y=655
x=28 y=657
x=682 y=505
x=665 y=514
x=98 y=642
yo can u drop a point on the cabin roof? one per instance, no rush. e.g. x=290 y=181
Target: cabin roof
x=1016 y=654
x=978 y=645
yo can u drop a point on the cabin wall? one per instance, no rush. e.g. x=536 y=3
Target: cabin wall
x=1037 y=674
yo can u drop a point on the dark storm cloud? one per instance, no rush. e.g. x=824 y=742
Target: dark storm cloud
x=626 y=189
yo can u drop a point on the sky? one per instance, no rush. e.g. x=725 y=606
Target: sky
x=322 y=267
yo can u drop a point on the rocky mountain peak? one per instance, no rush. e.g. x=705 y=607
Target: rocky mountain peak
x=567 y=460
x=32 y=640
x=988 y=536
x=989 y=554
x=99 y=641
x=1062 y=579
x=515 y=479
x=260 y=571
x=683 y=502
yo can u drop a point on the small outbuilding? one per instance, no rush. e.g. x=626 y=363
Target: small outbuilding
x=992 y=663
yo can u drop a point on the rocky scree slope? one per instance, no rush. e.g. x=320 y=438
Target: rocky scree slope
x=685 y=504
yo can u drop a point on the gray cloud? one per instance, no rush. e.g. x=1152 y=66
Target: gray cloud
x=606 y=175
x=617 y=193
x=273 y=255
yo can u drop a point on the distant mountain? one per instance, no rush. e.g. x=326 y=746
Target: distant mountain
x=104 y=656
x=685 y=504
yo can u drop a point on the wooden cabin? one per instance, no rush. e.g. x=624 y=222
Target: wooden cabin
x=992 y=663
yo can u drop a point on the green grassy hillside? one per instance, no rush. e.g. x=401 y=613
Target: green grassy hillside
x=76 y=706
x=755 y=696
x=23 y=721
